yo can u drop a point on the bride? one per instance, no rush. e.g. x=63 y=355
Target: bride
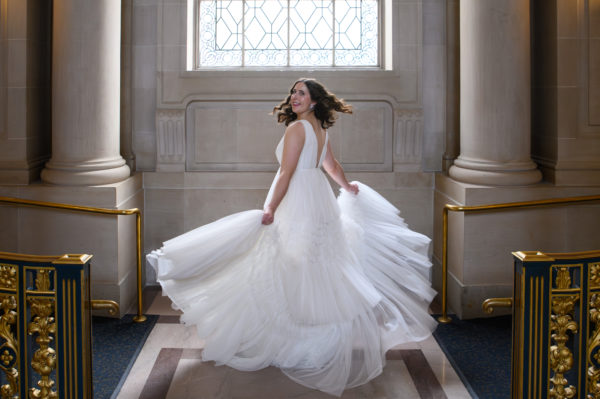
x=317 y=286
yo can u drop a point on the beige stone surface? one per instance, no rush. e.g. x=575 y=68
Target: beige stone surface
x=243 y=136
x=110 y=239
x=593 y=113
x=24 y=90
x=480 y=244
x=162 y=336
x=230 y=133
x=364 y=137
x=194 y=378
x=565 y=92
x=567 y=54
x=435 y=49
x=567 y=24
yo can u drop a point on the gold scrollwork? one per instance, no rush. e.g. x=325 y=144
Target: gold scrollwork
x=44 y=359
x=594 y=275
x=563 y=278
x=593 y=350
x=8 y=276
x=9 y=349
x=42 y=280
x=561 y=358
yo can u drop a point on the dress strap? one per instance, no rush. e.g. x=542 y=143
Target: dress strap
x=324 y=150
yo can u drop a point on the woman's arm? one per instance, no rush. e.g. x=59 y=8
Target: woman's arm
x=292 y=147
x=335 y=170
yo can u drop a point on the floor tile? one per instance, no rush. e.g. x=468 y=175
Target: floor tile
x=169 y=365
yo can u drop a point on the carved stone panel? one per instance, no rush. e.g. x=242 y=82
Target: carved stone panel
x=238 y=135
x=170 y=140
x=408 y=148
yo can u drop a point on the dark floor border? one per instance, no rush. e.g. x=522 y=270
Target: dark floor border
x=458 y=371
x=159 y=381
x=133 y=359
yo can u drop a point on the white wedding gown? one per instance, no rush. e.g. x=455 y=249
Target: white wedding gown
x=322 y=293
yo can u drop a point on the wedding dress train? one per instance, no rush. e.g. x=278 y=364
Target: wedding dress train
x=322 y=293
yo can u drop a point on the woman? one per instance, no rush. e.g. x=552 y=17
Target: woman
x=318 y=287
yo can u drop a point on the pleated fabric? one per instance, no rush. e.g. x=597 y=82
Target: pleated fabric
x=322 y=293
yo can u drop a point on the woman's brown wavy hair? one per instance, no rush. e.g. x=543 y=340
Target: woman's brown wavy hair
x=326 y=104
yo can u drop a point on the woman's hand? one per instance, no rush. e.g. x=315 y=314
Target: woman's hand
x=353 y=188
x=268 y=215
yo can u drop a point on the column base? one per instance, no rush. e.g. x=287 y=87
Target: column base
x=491 y=177
x=85 y=176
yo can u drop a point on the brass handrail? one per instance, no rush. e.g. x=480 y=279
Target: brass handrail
x=139 y=318
x=105 y=304
x=478 y=208
x=491 y=303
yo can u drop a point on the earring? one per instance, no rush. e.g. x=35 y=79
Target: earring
x=311 y=107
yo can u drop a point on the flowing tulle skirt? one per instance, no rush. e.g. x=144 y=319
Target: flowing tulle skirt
x=322 y=293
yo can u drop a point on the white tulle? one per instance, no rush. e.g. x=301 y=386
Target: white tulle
x=322 y=293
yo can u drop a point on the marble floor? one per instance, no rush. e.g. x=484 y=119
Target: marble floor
x=169 y=366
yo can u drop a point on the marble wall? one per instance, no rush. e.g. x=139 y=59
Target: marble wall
x=434 y=81
x=212 y=149
x=144 y=25
x=593 y=64
x=566 y=91
x=241 y=136
x=24 y=89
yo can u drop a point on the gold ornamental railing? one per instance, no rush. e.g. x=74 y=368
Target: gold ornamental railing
x=556 y=325
x=493 y=207
x=45 y=326
x=139 y=318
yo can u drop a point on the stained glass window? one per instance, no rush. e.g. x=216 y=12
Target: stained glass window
x=280 y=33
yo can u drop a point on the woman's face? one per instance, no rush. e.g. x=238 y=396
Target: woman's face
x=300 y=99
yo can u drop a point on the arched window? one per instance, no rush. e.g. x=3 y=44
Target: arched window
x=285 y=33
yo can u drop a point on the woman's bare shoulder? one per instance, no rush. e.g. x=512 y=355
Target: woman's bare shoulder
x=295 y=131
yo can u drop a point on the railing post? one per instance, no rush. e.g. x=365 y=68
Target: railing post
x=444 y=317
x=139 y=318
x=74 y=327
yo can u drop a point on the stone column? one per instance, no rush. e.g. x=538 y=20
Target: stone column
x=86 y=48
x=495 y=94
x=126 y=84
x=452 y=149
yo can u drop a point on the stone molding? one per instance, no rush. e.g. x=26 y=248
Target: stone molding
x=408 y=147
x=241 y=136
x=170 y=140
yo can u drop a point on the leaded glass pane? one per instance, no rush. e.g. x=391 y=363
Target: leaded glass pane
x=219 y=33
x=356 y=32
x=288 y=33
